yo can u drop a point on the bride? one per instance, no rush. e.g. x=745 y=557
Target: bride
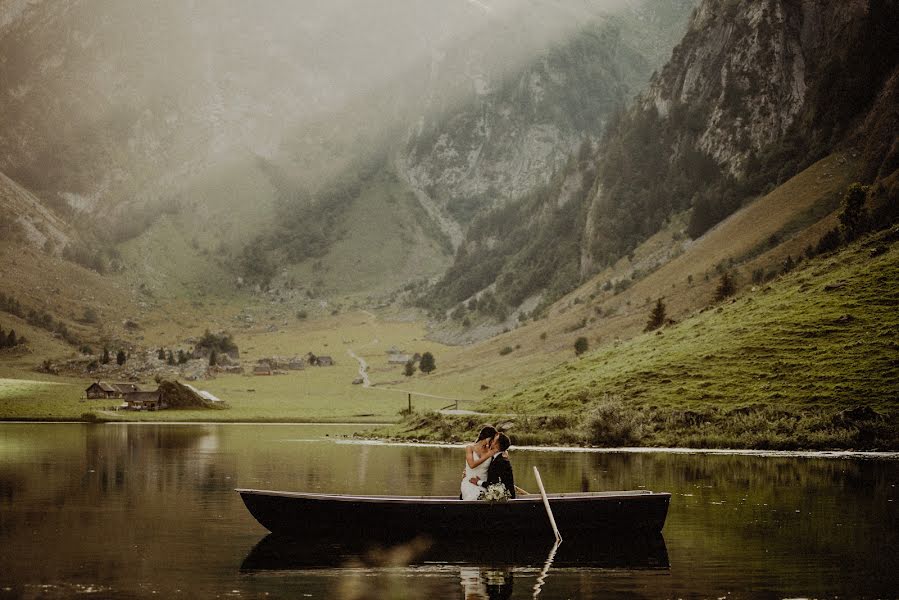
x=477 y=460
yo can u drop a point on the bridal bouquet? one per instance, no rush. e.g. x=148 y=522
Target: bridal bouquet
x=495 y=493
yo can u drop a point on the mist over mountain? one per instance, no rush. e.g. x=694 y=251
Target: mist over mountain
x=224 y=119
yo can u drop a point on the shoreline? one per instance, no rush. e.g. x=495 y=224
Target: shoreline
x=829 y=453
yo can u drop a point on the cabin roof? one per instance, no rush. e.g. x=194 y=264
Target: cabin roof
x=142 y=396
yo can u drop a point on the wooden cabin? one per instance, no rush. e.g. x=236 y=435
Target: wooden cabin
x=143 y=400
x=103 y=390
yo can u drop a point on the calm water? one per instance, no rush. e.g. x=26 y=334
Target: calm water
x=137 y=511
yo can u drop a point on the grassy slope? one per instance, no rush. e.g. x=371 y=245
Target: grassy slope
x=381 y=247
x=772 y=368
x=611 y=316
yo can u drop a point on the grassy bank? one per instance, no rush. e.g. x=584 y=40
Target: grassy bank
x=311 y=396
x=808 y=361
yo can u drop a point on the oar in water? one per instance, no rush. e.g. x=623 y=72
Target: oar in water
x=549 y=511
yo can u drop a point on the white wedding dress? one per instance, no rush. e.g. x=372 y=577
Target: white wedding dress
x=471 y=491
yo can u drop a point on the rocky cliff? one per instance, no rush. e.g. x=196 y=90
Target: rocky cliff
x=517 y=129
x=753 y=93
x=756 y=91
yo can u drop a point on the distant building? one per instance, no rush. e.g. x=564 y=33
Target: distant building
x=204 y=394
x=103 y=390
x=143 y=401
x=296 y=364
x=324 y=361
x=398 y=359
x=262 y=369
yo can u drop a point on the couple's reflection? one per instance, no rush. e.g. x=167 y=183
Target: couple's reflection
x=486 y=583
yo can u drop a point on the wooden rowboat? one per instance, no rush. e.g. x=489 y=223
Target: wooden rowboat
x=588 y=513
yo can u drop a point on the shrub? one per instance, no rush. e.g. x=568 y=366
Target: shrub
x=609 y=424
x=581 y=345
x=505 y=350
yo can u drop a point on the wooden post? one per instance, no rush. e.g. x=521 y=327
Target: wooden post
x=549 y=511
x=409 y=396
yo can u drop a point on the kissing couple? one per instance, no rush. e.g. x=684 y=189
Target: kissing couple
x=486 y=464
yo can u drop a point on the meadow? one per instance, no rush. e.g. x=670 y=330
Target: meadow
x=806 y=361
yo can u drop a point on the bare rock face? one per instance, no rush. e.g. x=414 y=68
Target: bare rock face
x=748 y=64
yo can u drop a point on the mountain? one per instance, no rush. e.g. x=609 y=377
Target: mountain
x=754 y=93
x=147 y=126
x=516 y=130
x=489 y=127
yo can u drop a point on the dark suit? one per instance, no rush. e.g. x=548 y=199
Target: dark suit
x=500 y=471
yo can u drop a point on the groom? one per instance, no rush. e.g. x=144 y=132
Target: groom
x=500 y=470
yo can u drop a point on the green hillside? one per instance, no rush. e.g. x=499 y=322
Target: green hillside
x=808 y=361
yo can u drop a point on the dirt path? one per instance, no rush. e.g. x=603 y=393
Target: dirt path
x=366 y=382
x=363 y=367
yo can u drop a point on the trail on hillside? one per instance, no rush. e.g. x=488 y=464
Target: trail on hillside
x=366 y=382
x=363 y=367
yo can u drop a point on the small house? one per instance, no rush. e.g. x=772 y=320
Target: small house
x=296 y=364
x=324 y=361
x=398 y=359
x=101 y=389
x=144 y=400
x=262 y=369
x=125 y=388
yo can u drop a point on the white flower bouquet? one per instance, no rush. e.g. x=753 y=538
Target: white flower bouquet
x=495 y=493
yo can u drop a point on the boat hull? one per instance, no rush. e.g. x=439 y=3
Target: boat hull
x=300 y=514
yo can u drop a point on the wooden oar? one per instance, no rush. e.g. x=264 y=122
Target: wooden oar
x=549 y=511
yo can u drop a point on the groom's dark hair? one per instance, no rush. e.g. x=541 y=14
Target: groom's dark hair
x=504 y=442
x=487 y=432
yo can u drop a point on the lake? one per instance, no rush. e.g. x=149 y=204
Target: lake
x=145 y=510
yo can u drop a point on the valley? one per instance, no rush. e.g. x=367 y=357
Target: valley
x=517 y=210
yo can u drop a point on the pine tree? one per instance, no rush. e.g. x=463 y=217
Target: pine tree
x=427 y=363
x=726 y=287
x=160 y=354
x=213 y=358
x=581 y=345
x=409 y=370
x=854 y=218
x=2 y=338
x=656 y=317
x=170 y=359
x=105 y=357
x=182 y=357
x=120 y=357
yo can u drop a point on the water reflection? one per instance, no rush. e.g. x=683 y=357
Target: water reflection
x=633 y=552
x=487 y=566
x=149 y=510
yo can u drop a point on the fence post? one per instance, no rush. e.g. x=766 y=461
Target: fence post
x=409 y=397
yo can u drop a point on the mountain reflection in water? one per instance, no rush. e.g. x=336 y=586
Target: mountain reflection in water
x=144 y=511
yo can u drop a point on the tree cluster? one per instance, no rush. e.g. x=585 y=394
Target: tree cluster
x=41 y=319
x=426 y=363
x=11 y=340
x=220 y=343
